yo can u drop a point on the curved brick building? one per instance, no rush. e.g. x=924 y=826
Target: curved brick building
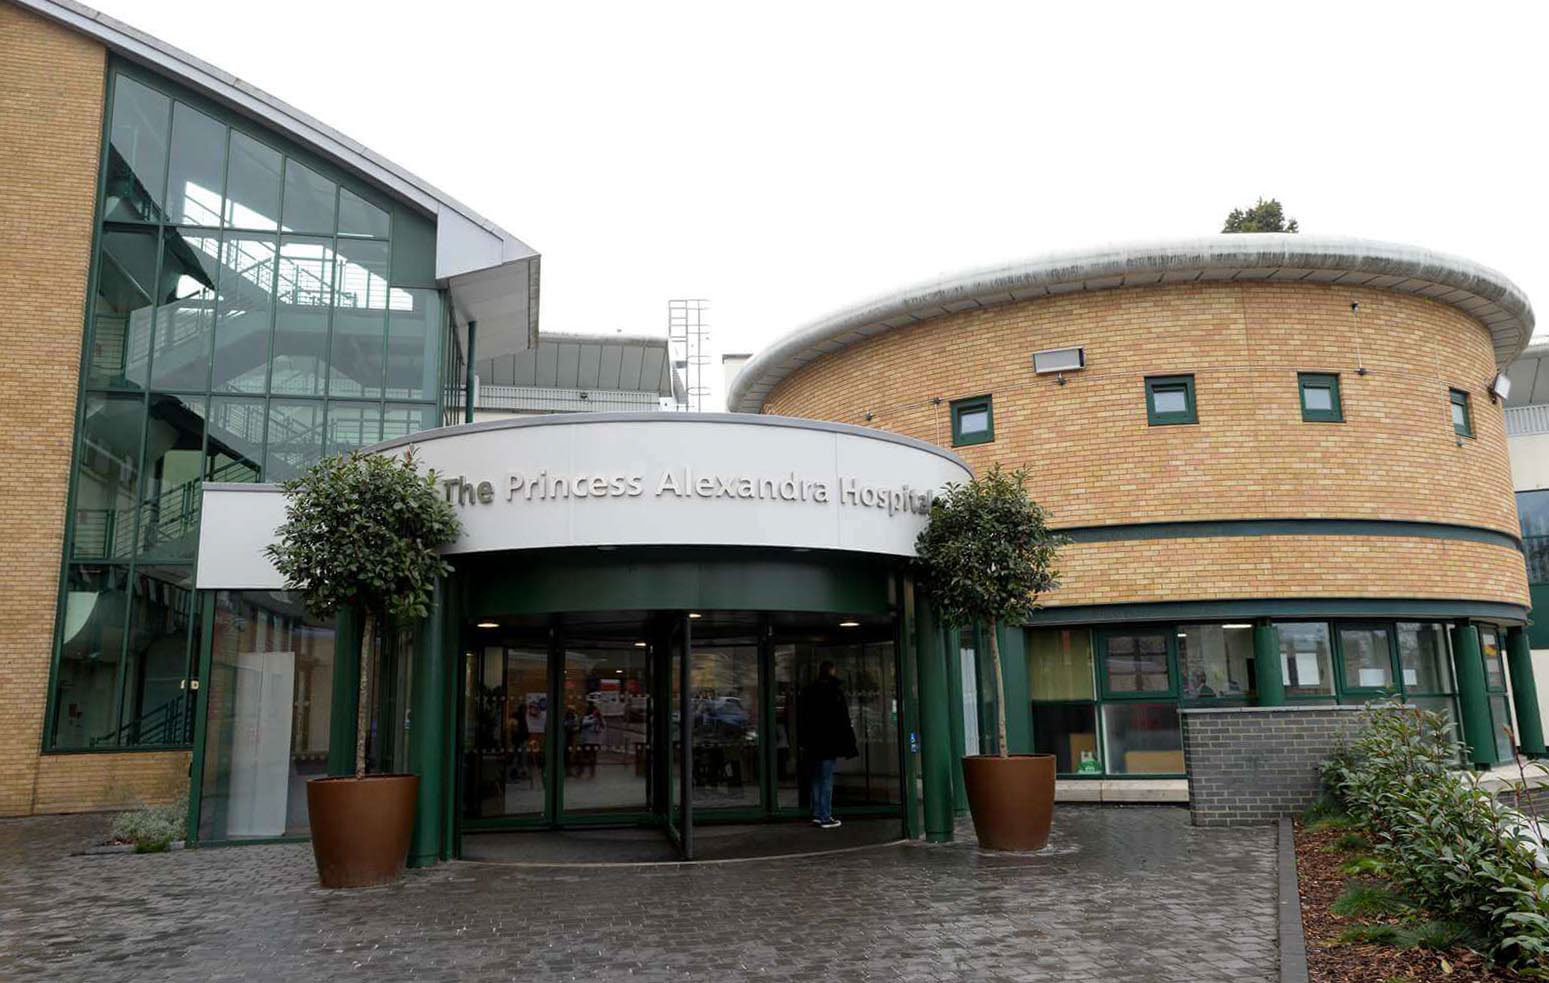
x=1279 y=460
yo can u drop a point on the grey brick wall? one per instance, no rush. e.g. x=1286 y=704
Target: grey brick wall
x=1255 y=764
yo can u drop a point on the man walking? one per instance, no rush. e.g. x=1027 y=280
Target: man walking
x=824 y=734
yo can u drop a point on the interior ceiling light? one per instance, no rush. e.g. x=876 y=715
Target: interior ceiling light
x=849 y=624
x=695 y=615
x=638 y=645
x=488 y=624
x=1236 y=626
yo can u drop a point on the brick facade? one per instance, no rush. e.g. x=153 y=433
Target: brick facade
x=1254 y=764
x=1095 y=461
x=51 y=96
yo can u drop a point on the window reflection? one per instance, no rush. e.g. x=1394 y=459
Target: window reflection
x=185 y=319
x=107 y=477
x=174 y=468
x=252 y=185
x=1216 y=661
x=360 y=319
x=1304 y=656
x=269 y=693
x=137 y=153
x=309 y=200
x=305 y=288
x=92 y=623
x=358 y=217
x=295 y=438
x=243 y=317
x=197 y=169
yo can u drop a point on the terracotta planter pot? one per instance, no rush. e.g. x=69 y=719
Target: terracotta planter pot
x=361 y=827
x=1012 y=799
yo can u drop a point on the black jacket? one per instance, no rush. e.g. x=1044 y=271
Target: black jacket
x=823 y=722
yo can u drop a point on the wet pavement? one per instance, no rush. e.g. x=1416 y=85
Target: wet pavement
x=1122 y=894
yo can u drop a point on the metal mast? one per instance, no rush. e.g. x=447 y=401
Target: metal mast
x=689 y=336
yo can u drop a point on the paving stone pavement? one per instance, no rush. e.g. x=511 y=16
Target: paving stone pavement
x=1120 y=894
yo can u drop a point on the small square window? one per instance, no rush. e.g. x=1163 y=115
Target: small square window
x=973 y=421
x=1462 y=415
x=1320 y=398
x=1170 y=399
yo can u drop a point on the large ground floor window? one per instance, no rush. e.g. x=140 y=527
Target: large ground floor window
x=1105 y=699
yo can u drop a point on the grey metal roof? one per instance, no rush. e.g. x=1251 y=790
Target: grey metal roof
x=1478 y=291
x=620 y=363
x=1529 y=376
x=490 y=274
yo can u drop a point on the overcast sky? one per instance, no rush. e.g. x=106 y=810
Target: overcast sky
x=783 y=160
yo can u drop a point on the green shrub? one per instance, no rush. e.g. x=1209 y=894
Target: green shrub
x=1447 y=844
x=1364 y=866
x=1362 y=900
x=1349 y=843
x=151 y=829
x=1361 y=934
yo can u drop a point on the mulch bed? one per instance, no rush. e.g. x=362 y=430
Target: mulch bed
x=1328 y=961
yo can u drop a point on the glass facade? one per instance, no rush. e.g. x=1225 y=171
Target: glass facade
x=248 y=314
x=268 y=715
x=1106 y=700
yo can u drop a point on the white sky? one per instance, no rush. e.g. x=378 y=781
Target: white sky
x=789 y=159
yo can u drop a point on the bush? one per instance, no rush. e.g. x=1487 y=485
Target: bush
x=151 y=829
x=1446 y=843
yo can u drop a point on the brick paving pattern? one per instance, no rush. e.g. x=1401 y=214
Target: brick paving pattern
x=1120 y=894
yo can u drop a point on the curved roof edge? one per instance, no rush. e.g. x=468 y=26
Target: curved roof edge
x=485 y=267
x=1478 y=291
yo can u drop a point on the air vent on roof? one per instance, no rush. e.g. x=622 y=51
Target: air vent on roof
x=1059 y=360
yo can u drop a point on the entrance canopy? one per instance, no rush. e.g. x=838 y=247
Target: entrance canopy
x=652 y=479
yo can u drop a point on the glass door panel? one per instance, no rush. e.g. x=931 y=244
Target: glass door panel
x=867 y=676
x=725 y=702
x=506 y=732
x=607 y=725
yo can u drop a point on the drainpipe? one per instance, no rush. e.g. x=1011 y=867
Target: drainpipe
x=468 y=382
x=1524 y=693
x=1472 y=699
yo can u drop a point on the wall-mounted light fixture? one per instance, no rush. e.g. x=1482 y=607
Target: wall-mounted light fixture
x=1500 y=387
x=488 y=624
x=849 y=624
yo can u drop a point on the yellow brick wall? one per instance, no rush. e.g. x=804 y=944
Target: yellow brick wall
x=51 y=92
x=1095 y=461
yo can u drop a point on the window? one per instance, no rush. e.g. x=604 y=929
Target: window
x=1320 y=398
x=973 y=422
x=1305 y=659
x=1533 y=510
x=1170 y=399
x=1367 y=654
x=1143 y=738
x=1216 y=661
x=1462 y=415
x=1136 y=663
x=1059 y=664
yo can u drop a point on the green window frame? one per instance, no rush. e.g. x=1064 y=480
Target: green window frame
x=1364 y=692
x=1170 y=385
x=972 y=405
x=1462 y=413
x=1100 y=640
x=1325 y=381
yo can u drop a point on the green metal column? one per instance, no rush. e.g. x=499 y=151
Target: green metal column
x=428 y=732
x=451 y=639
x=469 y=375
x=1475 y=703
x=951 y=648
x=1266 y=665
x=1524 y=693
x=346 y=692
x=1019 y=694
x=935 y=736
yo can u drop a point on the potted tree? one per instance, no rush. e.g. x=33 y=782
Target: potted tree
x=361 y=532
x=985 y=556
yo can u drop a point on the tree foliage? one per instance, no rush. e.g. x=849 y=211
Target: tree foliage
x=1264 y=216
x=362 y=530
x=986 y=555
